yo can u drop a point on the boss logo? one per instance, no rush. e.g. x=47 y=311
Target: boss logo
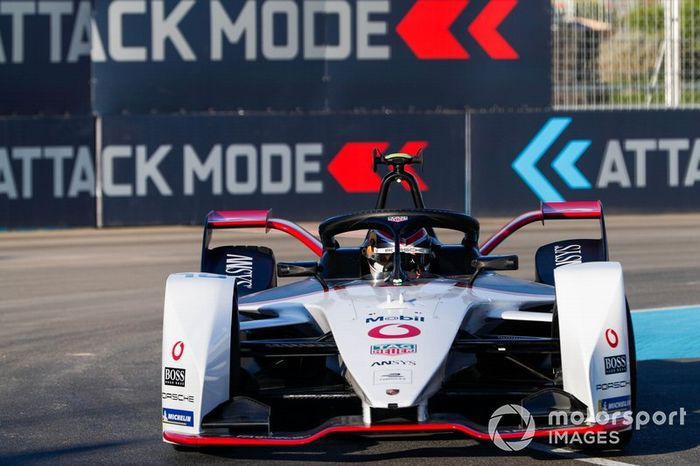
x=174 y=377
x=615 y=364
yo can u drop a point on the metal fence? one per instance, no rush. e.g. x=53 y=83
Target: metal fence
x=632 y=54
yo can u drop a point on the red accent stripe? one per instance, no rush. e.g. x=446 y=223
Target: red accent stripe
x=579 y=209
x=237 y=218
x=298 y=232
x=259 y=219
x=202 y=440
x=548 y=211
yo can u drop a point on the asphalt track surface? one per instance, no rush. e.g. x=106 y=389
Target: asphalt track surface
x=80 y=339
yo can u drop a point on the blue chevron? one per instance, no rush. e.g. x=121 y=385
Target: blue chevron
x=525 y=164
x=565 y=164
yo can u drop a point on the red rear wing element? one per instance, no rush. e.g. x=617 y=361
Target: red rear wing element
x=229 y=219
x=237 y=218
x=548 y=211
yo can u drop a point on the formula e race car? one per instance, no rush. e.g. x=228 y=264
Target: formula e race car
x=398 y=334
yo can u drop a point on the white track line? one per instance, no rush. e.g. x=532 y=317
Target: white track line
x=574 y=455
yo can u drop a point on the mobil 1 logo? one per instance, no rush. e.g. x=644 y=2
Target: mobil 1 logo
x=174 y=377
x=615 y=364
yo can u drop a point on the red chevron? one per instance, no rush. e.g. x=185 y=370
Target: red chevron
x=483 y=29
x=352 y=166
x=426 y=29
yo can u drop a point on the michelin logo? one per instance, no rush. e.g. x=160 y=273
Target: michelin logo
x=178 y=417
x=619 y=403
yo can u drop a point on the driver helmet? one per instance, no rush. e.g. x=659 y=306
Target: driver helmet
x=416 y=253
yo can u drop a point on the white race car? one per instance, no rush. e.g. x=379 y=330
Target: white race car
x=399 y=334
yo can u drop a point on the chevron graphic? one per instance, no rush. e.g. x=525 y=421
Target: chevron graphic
x=564 y=164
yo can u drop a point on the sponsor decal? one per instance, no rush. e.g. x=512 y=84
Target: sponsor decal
x=612 y=385
x=392 y=377
x=178 y=397
x=174 y=376
x=393 y=362
x=619 y=403
x=394 y=331
x=392 y=391
x=178 y=417
x=612 y=338
x=178 y=349
x=397 y=219
x=415 y=318
x=615 y=364
x=240 y=267
x=565 y=255
x=394 y=349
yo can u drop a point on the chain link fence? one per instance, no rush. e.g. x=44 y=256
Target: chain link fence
x=630 y=54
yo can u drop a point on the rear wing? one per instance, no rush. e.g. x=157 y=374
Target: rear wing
x=550 y=211
x=233 y=219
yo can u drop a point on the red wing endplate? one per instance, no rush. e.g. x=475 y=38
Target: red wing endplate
x=548 y=211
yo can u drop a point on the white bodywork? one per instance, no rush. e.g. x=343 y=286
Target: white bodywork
x=196 y=338
x=437 y=309
x=593 y=326
x=394 y=340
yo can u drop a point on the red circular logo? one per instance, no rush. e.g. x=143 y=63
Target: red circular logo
x=178 y=349
x=612 y=338
x=408 y=331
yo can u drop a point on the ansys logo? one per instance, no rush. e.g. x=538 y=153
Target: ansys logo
x=512 y=444
x=564 y=164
